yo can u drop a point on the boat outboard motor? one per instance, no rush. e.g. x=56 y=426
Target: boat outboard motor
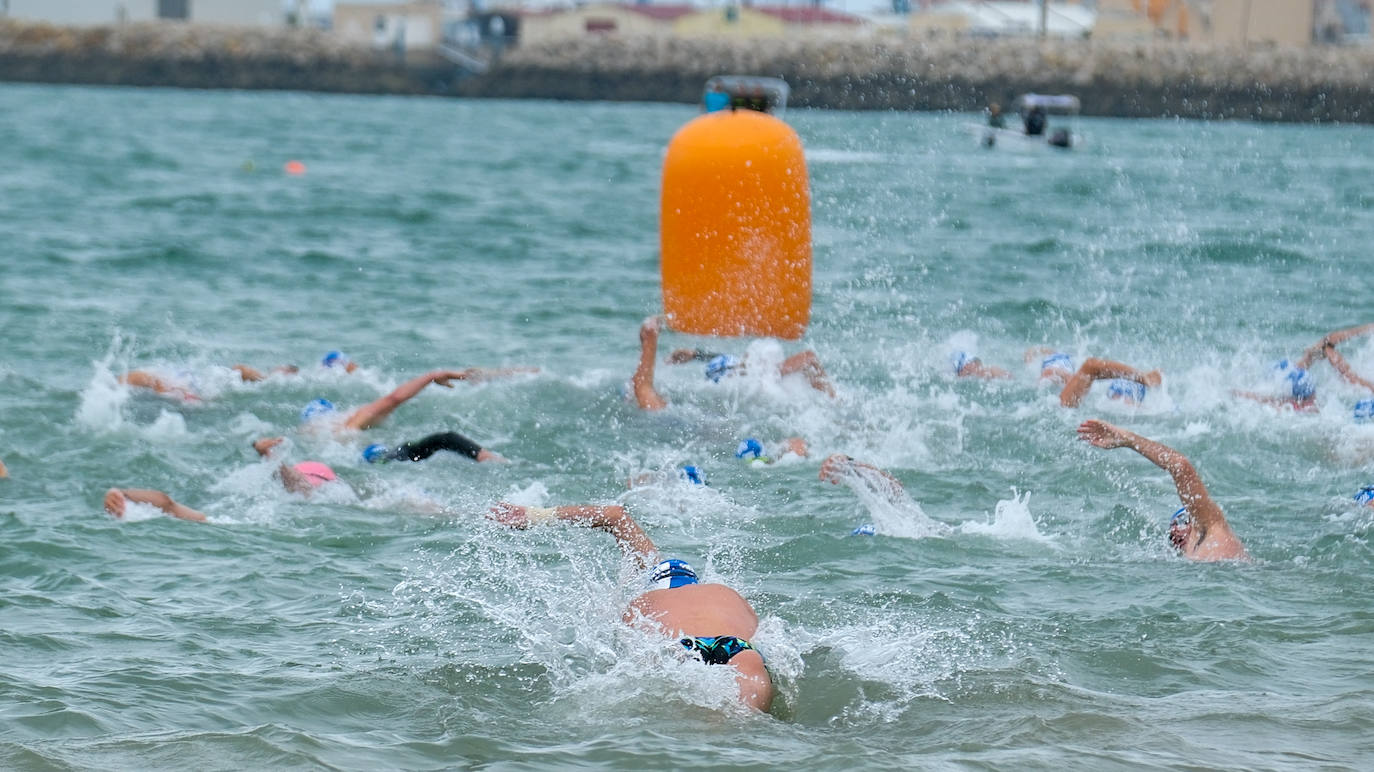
x=745 y=92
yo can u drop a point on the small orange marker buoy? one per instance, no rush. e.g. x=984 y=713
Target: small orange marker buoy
x=295 y=167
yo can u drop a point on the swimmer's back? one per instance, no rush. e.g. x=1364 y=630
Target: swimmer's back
x=699 y=610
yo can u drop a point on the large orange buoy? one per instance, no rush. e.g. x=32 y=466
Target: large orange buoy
x=735 y=227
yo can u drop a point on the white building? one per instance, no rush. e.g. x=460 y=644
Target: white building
x=1005 y=18
x=268 y=13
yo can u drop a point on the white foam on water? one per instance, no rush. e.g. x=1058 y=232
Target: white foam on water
x=103 y=399
x=1011 y=519
x=890 y=508
x=138 y=512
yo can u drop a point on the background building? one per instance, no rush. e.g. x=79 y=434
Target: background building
x=268 y=13
x=404 y=26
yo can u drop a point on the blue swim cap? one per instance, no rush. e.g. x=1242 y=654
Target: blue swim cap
x=316 y=408
x=693 y=474
x=1366 y=495
x=1301 y=383
x=1364 y=410
x=719 y=365
x=1057 y=361
x=957 y=360
x=672 y=573
x=374 y=453
x=335 y=358
x=750 y=448
x=1122 y=388
x=1181 y=513
x=866 y=529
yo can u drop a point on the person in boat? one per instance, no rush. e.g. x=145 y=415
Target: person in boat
x=996 y=119
x=1035 y=121
x=1198 y=530
x=712 y=622
x=718 y=366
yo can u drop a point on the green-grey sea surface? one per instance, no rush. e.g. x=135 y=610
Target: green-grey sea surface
x=1022 y=609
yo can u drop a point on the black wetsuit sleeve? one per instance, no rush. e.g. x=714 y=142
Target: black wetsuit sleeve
x=423 y=449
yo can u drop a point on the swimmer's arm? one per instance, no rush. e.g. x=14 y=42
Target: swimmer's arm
x=248 y=374
x=292 y=480
x=1095 y=369
x=253 y=375
x=1343 y=367
x=145 y=380
x=642 y=382
x=375 y=412
x=1191 y=490
x=3 y=471
x=839 y=468
x=1263 y=398
x=1341 y=336
x=115 y=499
x=1324 y=348
x=477 y=374
x=612 y=519
x=976 y=369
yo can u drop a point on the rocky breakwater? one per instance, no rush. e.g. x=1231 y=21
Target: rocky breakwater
x=857 y=73
x=210 y=56
x=951 y=73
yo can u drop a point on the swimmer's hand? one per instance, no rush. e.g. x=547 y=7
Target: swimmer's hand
x=266 y=445
x=835 y=468
x=650 y=328
x=443 y=377
x=1103 y=434
x=115 y=502
x=683 y=355
x=491 y=456
x=509 y=515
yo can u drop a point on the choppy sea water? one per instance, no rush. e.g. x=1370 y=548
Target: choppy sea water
x=1020 y=611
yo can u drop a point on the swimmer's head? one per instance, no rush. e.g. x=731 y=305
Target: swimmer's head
x=315 y=473
x=339 y=359
x=1300 y=384
x=693 y=474
x=1126 y=390
x=958 y=360
x=1366 y=496
x=719 y=366
x=1364 y=410
x=749 y=449
x=317 y=408
x=1297 y=380
x=866 y=529
x=1057 y=363
x=374 y=453
x=1180 y=525
x=672 y=573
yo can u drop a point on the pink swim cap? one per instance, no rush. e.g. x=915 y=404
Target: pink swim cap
x=317 y=473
